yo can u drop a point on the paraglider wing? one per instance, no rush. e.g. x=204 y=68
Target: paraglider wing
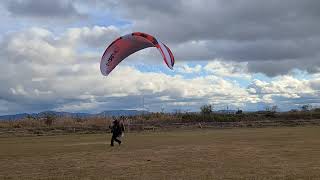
x=126 y=45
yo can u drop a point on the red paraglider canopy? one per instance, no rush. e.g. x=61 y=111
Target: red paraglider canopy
x=126 y=45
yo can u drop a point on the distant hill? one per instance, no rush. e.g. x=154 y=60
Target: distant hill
x=108 y=113
x=122 y=113
x=226 y=111
x=14 y=117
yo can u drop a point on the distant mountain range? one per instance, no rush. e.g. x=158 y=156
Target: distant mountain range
x=108 y=113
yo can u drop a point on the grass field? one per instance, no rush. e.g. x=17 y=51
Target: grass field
x=265 y=153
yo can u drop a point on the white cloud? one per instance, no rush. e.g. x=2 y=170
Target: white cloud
x=286 y=91
x=272 y=37
x=97 y=36
x=19 y=90
x=43 y=70
x=77 y=107
x=228 y=69
x=46 y=71
x=187 y=69
x=283 y=85
x=37 y=46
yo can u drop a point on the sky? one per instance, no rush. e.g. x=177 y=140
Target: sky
x=240 y=54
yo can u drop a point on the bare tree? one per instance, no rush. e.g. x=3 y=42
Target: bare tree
x=49 y=118
x=306 y=107
x=206 y=109
x=274 y=108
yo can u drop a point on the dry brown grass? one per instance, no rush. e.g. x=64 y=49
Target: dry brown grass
x=63 y=125
x=265 y=153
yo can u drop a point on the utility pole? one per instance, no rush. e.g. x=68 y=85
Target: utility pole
x=162 y=109
x=142 y=105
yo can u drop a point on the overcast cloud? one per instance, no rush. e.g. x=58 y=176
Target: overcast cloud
x=238 y=52
x=42 y=9
x=255 y=31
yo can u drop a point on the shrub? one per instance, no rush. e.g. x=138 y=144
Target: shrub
x=48 y=119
